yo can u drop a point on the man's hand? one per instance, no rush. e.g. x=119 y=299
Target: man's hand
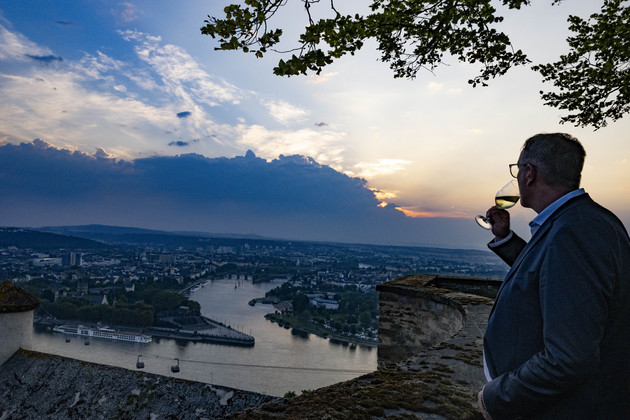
x=500 y=222
x=484 y=413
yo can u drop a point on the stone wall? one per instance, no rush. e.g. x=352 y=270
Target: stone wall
x=16 y=330
x=413 y=317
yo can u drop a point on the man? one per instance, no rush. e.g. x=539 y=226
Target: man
x=557 y=345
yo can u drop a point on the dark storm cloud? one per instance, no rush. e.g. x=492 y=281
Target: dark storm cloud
x=183 y=114
x=44 y=58
x=179 y=143
x=291 y=197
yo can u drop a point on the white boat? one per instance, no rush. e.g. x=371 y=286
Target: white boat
x=102 y=332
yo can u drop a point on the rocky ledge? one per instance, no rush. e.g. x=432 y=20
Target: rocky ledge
x=43 y=386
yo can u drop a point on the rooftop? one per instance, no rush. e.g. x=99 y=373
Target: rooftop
x=16 y=299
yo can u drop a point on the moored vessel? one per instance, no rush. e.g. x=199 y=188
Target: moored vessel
x=102 y=332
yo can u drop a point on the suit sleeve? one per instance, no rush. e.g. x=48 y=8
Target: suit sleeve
x=575 y=282
x=510 y=250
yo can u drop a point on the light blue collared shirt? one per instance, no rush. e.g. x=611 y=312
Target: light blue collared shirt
x=551 y=208
x=542 y=216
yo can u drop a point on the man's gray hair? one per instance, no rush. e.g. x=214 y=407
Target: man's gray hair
x=558 y=157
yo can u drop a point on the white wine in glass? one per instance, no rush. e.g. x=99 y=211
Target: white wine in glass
x=505 y=198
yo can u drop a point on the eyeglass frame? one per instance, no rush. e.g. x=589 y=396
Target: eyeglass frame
x=512 y=165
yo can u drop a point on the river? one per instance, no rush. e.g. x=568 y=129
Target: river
x=279 y=362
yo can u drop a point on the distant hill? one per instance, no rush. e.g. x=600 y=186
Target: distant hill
x=137 y=236
x=37 y=240
x=117 y=235
x=98 y=231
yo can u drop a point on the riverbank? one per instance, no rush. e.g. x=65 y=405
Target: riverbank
x=301 y=328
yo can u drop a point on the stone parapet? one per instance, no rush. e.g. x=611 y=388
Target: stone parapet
x=413 y=316
x=418 y=311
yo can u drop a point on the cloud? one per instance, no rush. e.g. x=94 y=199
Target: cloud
x=58 y=107
x=321 y=78
x=44 y=58
x=434 y=87
x=99 y=66
x=381 y=167
x=325 y=146
x=134 y=107
x=102 y=154
x=120 y=105
x=383 y=196
x=290 y=197
x=179 y=143
x=412 y=212
x=128 y=12
x=284 y=112
x=180 y=75
x=15 y=46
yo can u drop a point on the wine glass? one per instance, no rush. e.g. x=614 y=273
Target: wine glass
x=505 y=198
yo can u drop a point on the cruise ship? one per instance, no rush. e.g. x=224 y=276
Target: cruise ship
x=102 y=332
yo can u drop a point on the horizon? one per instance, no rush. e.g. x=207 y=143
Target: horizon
x=63 y=230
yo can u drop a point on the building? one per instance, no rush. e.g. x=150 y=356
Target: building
x=326 y=303
x=72 y=259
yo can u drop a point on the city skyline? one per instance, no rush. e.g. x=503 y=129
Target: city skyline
x=136 y=80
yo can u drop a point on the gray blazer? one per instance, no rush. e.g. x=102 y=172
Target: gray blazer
x=558 y=338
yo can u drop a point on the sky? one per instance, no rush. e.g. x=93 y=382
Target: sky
x=122 y=99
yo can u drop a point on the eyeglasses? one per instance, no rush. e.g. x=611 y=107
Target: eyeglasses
x=514 y=169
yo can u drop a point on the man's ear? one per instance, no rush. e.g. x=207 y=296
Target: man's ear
x=531 y=175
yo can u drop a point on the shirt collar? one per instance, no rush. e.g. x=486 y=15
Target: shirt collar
x=551 y=208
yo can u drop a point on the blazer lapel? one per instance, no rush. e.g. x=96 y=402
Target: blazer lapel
x=535 y=239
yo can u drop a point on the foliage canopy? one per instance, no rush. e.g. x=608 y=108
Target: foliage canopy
x=591 y=81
